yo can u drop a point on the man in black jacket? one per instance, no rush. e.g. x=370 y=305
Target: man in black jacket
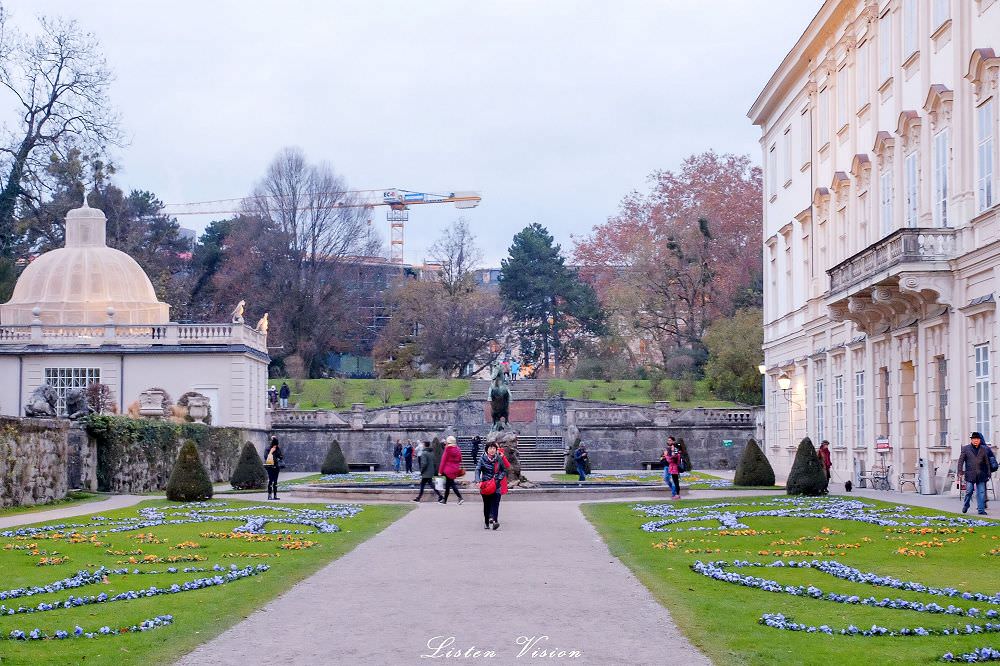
x=426 y=460
x=974 y=467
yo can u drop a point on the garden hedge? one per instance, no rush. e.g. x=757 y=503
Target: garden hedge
x=249 y=473
x=807 y=476
x=335 y=462
x=754 y=468
x=189 y=481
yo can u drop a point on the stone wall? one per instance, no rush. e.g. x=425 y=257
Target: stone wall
x=618 y=436
x=33 y=458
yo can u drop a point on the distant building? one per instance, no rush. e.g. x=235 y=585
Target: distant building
x=882 y=233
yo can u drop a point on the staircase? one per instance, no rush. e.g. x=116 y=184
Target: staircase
x=533 y=457
x=522 y=389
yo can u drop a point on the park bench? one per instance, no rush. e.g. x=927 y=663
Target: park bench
x=650 y=465
x=363 y=466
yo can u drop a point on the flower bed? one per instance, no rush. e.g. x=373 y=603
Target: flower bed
x=840 y=591
x=123 y=591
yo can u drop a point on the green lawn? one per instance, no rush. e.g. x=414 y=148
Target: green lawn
x=639 y=477
x=354 y=478
x=634 y=392
x=72 y=499
x=721 y=618
x=318 y=393
x=198 y=615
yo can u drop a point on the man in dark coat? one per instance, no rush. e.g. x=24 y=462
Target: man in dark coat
x=426 y=460
x=475 y=449
x=974 y=467
x=284 y=393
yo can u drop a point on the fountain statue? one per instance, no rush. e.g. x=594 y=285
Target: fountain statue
x=501 y=433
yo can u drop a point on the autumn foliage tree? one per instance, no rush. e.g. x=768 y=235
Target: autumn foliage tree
x=674 y=258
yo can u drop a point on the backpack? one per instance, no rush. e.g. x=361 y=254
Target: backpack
x=993 y=460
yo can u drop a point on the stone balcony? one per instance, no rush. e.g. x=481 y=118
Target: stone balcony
x=61 y=335
x=902 y=278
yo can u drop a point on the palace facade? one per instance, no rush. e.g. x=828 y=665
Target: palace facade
x=882 y=234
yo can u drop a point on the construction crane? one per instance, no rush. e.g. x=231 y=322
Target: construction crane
x=397 y=201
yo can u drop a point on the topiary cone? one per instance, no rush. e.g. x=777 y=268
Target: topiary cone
x=437 y=449
x=570 y=461
x=754 y=468
x=335 y=462
x=188 y=481
x=684 y=454
x=807 y=476
x=249 y=473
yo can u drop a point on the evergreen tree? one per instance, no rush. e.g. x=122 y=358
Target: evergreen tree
x=335 y=462
x=754 y=468
x=807 y=476
x=553 y=311
x=570 y=460
x=188 y=480
x=437 y=450
x=249 y=472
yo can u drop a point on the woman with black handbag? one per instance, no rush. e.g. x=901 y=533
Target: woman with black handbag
x=272 y=465
x=491 y=470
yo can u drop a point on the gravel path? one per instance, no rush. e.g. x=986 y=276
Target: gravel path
x=424 y=582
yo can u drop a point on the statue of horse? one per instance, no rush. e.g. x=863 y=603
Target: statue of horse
x=499 y=400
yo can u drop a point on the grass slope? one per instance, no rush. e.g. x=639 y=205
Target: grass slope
x=721 y=618
x=315 y=393
x=634 y=392
x=198 y=615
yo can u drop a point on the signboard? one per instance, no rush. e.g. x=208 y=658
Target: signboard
x=882 y=444
x=727 y=442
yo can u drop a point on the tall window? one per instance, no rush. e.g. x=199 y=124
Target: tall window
x=63 y=379
x=911 y=20
x=886 y=400
x=861 y=74
x=820 y=409
x=912 y=189
x=984 y=153
x=942 y=391
x=942 y=12
x=772 y=170
x=864 y=217
x=838 y=410
x=859 y=408
x=983 y=390
x=823 y=113
x=805 y=150
x=786 y=156
x=842 y=97
x=941 y=178
x=885 y=47
x=885 y=190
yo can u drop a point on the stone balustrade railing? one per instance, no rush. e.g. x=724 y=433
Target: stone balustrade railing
x=900 y=247
x=113 y=334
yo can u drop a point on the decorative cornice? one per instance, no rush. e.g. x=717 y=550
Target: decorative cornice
x=884 y=143
x=938 y=105
x=982 y=73
x=908 y=128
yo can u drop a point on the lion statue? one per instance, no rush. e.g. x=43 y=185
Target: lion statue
x=77 y=405
x=42 y=403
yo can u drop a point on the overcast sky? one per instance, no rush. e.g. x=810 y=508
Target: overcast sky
x=553 y=110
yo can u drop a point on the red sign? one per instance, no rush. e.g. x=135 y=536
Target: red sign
x=882 y=444
x=521 y=411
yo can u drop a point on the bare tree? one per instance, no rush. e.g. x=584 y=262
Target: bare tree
x=58 y=81
x=458 y=254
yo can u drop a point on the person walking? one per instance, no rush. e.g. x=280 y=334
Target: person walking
x=408 y=456
x=515 y=368
x=974 y=467
x=451 y=469
x=673 y=457
x=426 y=463
x=272 y=465
x=476 y=448
x=284 y=393
x=397 y=456
x=491 y=470
x=272 y=397
x=580 y=456
x=824 y=457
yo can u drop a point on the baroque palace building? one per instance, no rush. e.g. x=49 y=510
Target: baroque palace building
x=882 y=234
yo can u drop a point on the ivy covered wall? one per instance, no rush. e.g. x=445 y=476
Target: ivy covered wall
x=136 y=455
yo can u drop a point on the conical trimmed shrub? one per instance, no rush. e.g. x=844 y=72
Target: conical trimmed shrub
x=249 y=473
x=437 y=450
x=684 y=454
x=188 y=480
x=807 y=476
x=754 y=468
x=570 y=461
x=335 y=462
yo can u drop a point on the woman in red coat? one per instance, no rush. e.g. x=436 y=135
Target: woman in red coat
x=451 y=468
x=506 y=466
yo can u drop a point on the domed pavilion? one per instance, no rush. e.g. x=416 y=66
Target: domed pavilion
x=87 y=313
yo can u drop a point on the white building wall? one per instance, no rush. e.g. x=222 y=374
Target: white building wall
x=829 y=211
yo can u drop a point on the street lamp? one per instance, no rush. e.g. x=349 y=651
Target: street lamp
x=762 y=369
x=784 y=383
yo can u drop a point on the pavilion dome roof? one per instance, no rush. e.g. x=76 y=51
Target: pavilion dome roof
x=81 y=282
